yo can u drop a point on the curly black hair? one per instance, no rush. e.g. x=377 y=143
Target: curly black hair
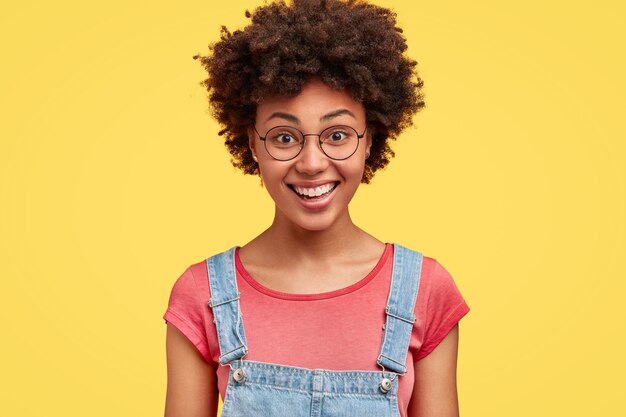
x=351 y=45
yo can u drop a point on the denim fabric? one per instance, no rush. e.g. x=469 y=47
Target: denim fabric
x=225 y=304
x=266 y=389
x=407 y=264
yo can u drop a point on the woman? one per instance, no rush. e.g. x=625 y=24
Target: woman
x=314 y=316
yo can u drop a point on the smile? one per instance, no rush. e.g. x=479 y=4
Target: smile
x=311 y=193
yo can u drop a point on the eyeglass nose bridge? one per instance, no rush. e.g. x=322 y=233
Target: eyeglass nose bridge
x=319 y=139
x=319 y=143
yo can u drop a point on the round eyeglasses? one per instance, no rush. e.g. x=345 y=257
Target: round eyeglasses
x=284 y=143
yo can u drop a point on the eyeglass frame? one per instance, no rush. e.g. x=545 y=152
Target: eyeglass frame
x=319 y=141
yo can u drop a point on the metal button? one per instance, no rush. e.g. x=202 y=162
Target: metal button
x=385 y=385
x=239 y=375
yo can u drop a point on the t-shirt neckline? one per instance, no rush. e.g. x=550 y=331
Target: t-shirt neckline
x=317 y=296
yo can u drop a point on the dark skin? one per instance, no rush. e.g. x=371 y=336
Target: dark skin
x=308 y=245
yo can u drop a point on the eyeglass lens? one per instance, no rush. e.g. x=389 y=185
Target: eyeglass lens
x=337 y=142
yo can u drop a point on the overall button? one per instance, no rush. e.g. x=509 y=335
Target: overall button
x=385 y=385
x=239 y=375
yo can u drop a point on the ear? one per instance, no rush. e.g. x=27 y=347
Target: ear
x=368 y=144
x=252 y=143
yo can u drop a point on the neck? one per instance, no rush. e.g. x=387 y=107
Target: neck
x=293 y=242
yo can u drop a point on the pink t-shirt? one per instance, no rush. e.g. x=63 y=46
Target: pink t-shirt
x=336 y=330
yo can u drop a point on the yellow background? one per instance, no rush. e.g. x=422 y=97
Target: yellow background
x=113 y=181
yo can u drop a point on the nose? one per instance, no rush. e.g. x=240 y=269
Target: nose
x=311 y=159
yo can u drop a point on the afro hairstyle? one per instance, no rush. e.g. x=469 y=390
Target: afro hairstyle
x=351 y=45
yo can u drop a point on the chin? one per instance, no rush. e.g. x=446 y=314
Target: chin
x=315 y=223
x=316 y=226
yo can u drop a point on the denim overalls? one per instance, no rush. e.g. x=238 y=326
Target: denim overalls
x=266 y=389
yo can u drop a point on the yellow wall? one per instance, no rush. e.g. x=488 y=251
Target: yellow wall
x=113 y=181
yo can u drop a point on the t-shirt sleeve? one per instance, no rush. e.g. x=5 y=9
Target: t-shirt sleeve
x=185 y=312
x=445 y=307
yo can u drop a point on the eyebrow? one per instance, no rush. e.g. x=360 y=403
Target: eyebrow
x=285 y=116
x=324 y=118
x=336 y=113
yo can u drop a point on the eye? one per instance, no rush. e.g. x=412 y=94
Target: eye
x=284 y=138
x=337 y=136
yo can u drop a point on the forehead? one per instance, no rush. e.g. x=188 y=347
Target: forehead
x=316 y=102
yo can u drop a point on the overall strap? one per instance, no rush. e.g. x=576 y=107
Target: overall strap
x=225 y=304
x=405 y=279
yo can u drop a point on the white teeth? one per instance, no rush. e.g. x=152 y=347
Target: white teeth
x=316 y=191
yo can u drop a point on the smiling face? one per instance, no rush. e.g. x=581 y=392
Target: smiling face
x=311 y=191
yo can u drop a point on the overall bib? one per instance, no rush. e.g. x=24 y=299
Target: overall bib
x=266 y=389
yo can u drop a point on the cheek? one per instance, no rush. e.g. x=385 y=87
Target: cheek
x=272 y=176
x=354 y=171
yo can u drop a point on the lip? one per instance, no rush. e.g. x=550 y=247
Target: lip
x=317 y=204
x=312 y=184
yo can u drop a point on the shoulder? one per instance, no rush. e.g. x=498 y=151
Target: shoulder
x=199 y=273
x=430 y=270
x=193 y=280
x=190 y=293
x=434 y=274
x=439 y=307
x=188 y=309
x=437 y=287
